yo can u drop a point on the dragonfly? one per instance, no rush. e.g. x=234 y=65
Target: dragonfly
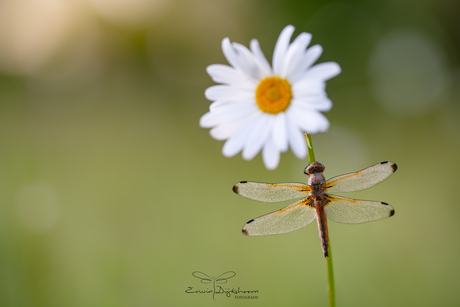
x=318 y=201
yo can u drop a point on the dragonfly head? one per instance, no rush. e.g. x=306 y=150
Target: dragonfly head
x=313 y=168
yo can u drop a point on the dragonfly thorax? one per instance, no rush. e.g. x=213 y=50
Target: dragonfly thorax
x=316 y=180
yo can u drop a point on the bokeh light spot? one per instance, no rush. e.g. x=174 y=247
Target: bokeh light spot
x=38 y=207
x=31 y=31
x=131 y=12
x=407 y=70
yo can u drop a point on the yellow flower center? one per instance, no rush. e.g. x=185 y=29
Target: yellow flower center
x=273 y=95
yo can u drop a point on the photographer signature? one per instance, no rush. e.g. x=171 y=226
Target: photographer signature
x=206 y=279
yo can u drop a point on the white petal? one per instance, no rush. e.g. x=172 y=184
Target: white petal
x=230 y=53
x=294 y=54
x=280 y=137
x=323 y=71
x=223 y=132
x=234 y=106
x=310 y=57
x=296 y=140
x=317 y=102
x=206 y=119
x=253 y=66
x=308 y=120
x=255 y=48
x=236 y=142
x=270 y=155
x=233 y=145
x=281 y=48
x=258 y=136
x=229 y=75
x=308 y=87
x=228 y=93
x=218 y=103
x=227 y=113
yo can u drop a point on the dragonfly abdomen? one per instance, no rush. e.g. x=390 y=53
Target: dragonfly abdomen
x=322 y=226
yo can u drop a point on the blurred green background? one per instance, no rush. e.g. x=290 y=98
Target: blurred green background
x=111 y=194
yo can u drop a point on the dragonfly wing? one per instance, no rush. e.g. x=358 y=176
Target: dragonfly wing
x=361 y=180
x=353 y=211
x=288 y=219
x=271 y=192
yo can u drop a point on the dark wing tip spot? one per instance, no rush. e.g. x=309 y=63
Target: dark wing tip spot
x=384 y=203
x=392 y=212
x=236 y=188
x=395 y=167
x=245 y=232
x=249 y=222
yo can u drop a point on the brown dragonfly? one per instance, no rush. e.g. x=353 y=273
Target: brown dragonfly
x=317 y=202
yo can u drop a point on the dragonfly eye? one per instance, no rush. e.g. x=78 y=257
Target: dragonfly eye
x=306 y=170
x=315 y=167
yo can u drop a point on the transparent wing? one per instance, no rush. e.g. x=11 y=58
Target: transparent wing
x=288 y=219
x=271 y=192
x=361 y=180
x=352 y=211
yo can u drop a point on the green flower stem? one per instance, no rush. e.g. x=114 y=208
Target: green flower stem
x=311 y=152
x=330 y=268
x=330 y=278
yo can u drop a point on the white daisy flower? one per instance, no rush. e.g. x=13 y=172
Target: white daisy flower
x=259 y=107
